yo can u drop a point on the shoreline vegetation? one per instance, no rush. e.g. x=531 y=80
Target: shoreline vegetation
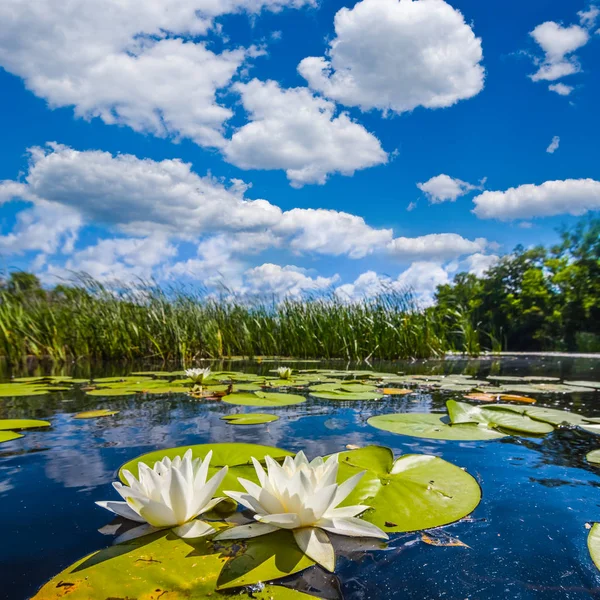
x=534 y=300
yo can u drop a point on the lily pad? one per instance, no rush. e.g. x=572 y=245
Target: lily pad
x=554 y=416
x=250 y=418
x=163 y=564
x=94 y=414
x=12 y=424
x=593 y=457
x=431 y=426
x=594 y=544
x=7 y=436
x=264 y=399
x=513 y=398
x=396 y=391
x=587 y=384
x=461 y=412
x=111 y=392
x=8 y=390
x=343 y=396
x=414 y=492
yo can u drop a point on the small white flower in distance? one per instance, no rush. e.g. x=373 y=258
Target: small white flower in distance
x=170 y=495
x=302 y=497
x=198 y=375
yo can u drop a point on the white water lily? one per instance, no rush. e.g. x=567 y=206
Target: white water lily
x=170 y=495
x=198 y=376
x=284 y=372
x=302 y=497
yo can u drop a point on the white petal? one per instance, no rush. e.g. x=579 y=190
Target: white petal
x=178 y=497
x=352 y=527
x=316 y=545
x=322 y=500
x=283 y=520
x=193 y=529
x=135 y=532
x=205 y=493
x=346 y=511
x=346 y=488
x=247 y=501
x=122 y=509
x=211 y=504
x=260 y=472
x=202 y=473
x=244 y=532
x=158 y=514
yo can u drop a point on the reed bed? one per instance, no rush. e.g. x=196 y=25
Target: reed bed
x=90 y=320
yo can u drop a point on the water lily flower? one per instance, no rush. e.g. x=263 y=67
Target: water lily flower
x=284 y=372
x=170 y=495
x=302 y=497
x=198 y=376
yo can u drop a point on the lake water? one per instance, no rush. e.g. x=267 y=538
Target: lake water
x=526 y=539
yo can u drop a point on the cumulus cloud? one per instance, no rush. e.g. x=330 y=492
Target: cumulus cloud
x=287 y=281
x=479 y=264
x=443 y=187
x=553 y=147
x=434 y=246
x=588 y=18
x=294 y=130
x=561 y=89
x=570 y=196
x=129 y=63
x=395 y=55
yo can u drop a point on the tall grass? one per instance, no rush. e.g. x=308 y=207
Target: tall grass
x=143 y=321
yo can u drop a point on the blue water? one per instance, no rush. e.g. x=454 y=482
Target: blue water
x=527 y=538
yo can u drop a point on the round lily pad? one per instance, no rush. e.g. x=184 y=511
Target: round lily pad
x=554 y=416
x=588 y=384
x=594 y=544
x=250 y=418
x=163 y=564
x=94 y=414
x=111 y=392
x=7 y=436
x=593 y=457
x=343 y=396
x=414 y=492
x=8 y=390
x=12 y=424
x=431 y=426
x=270 y=399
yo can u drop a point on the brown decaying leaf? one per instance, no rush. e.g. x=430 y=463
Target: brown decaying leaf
x=396 y=391
x=513 y=398
x=442 y=540
x=482 y=397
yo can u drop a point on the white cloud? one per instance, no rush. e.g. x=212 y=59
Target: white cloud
x=127 y=62
x=443 y=187
x=571 y=196
x=291 y=129
x=558 y=44
x=398 y=54
x=553 y=147
x=478 y=263
x=434 y=246
x=588 y=18
x=287 y=281
x=561 y=89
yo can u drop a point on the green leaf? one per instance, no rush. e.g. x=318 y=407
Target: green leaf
x=591 y=384
x=111 y=392
x=554 y=416
x=249 y=418
x=8 y=390
x=594 y=544
x=593 y=457
x=415 y=492
x=270 y=399
x=163 y=564
x=7 y=436
x=94 y=414
x=430 y=426
x=6 y=424
x=461 y=412
x=341 y=395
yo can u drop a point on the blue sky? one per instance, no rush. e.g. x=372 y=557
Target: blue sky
x=387 y=142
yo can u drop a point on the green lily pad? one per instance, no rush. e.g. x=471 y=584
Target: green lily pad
x=431 y=426
x=461 y=412
x=8 y=390
x=163 y=564
x=341 y=395
x=593 y=457
x=111 y=392
x=593 y=542
x=414 y=492
x=7 y=436
x=94 y=414
x=271 y=399
x=250 y=418
x=591 y=427
x=554 y=416
x=18 y=424
x=588 y=384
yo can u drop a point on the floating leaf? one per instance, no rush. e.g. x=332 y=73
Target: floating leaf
x=110 y=392
x=264 y=399
x=430 y=426
x=415 y=492
x=165 y=565
x=442 y=539
x=396 y=391
x=482 y=397
x=250 y=418
x=593 y=542
x=18 y=424
x=513 y=398
x=17 y=389
x=554 y=416
x=346 y=396
x=94 y=414
x=587 y=384
x=461 y=412
x=593 y=457
x=7 y=436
